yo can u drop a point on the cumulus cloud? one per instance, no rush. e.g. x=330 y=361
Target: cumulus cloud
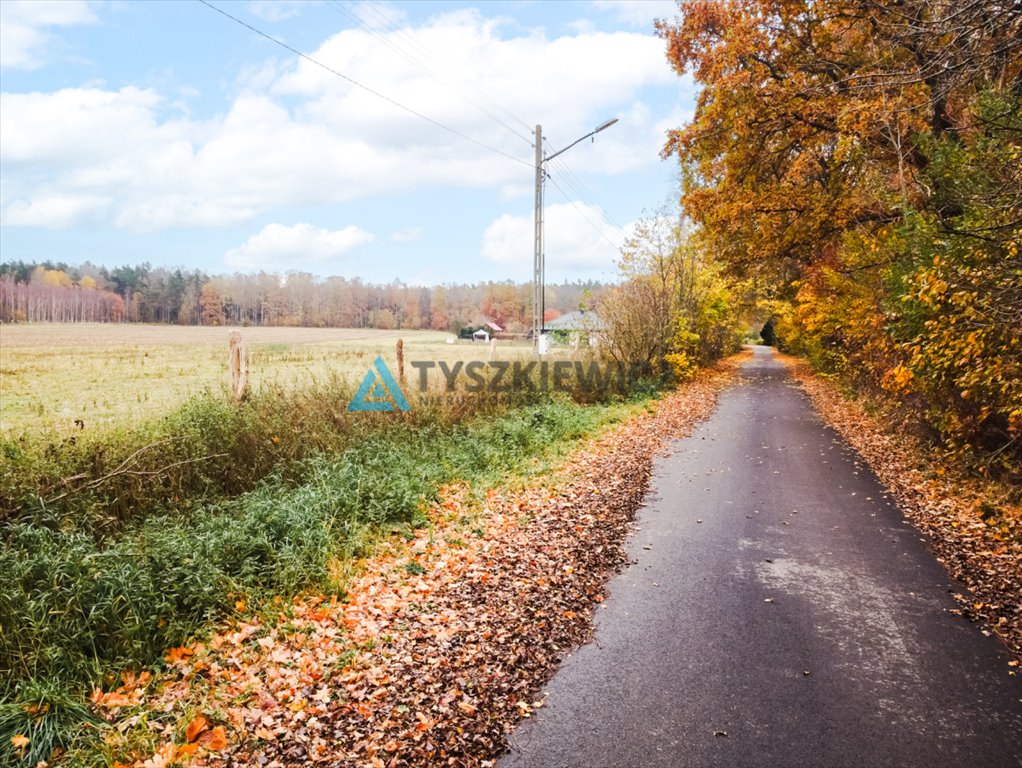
x=297 y=135
x=299 y=246
x=578 y=240
x=25 y=39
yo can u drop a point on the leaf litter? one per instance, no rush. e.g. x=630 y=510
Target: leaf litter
x=441 y=644
x=973 y=527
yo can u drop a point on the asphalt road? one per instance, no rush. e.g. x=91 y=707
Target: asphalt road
x=779 y=612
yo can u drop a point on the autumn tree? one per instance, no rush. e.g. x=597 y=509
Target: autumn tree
x=859 y=161
x=674 y=306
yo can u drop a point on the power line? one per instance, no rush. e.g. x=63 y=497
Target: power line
x=452 y=81
x=366 y=88
x=378 y=12
x=589 y=221
x=575 y=184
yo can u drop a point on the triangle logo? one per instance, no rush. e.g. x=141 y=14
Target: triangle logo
x=379 y=391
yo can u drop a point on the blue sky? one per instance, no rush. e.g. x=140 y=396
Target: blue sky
x=165 y=132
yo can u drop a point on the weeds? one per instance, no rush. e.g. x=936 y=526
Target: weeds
x=106 y=579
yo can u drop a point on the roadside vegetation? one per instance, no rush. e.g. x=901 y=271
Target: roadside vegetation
x=121 y=544
x=861 y=163
x=674 y=308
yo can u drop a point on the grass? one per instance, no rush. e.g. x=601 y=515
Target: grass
x=105 y=375
x=225 y=504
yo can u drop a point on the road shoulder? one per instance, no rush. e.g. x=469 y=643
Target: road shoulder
x=974 y=532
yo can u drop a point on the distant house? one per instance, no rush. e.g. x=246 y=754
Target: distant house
x=577 y=327
x=481 y=333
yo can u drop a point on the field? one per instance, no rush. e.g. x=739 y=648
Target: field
x=175 y=508
x=106 y=374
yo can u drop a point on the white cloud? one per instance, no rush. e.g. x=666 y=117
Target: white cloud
x=578 y=239
x=410 y=235
x=639 y=13
x=24 y=36
x=282 y=248
x=277 y=10
x=54 y=211
x=297 y=135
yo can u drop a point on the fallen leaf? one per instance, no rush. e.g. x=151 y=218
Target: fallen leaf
x=214 y=740
x=195 y=727
x=185 y=751
x=175 y=655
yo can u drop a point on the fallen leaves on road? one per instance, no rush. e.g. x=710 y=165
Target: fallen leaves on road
x=975 y=536
x=441 y=645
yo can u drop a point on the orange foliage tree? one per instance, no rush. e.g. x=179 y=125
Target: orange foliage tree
x=860 y=162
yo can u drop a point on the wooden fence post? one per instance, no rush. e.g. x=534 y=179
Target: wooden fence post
x=239 y=366
x=401 y=360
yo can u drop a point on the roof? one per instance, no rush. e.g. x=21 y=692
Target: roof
x=578 y=320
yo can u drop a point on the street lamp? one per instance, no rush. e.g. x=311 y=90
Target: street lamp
x=539 y=259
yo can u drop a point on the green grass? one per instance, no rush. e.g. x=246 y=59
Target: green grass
x=106 y=578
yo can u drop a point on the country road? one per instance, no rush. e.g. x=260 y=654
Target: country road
x=779 y=612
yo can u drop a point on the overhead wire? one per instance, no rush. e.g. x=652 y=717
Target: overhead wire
x=366 y=88
x=582 y=191
x=570 y=178
x=459 y=88
x=378 y=13
x=585 y=216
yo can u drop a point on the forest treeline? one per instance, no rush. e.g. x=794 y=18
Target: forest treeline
x=861 y=164
x=57 y=292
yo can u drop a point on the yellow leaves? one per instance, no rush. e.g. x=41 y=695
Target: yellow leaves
x=898 y=379
x=20 y=741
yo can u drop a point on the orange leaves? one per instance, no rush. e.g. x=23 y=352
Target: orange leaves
x=196 y=727
x=422 y=668
x=177 y=655
x=184 y=752
x=129 y=694
x=214 y=740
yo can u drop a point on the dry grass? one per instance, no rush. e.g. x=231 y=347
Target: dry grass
x=103 y=374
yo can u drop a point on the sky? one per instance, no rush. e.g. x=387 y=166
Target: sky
x=165 y=132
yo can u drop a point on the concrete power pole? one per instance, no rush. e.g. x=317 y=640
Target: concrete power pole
x=537 y=253
x=539 y=258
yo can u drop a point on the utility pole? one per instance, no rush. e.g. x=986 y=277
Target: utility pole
x=538 y=257
x=538 y=283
